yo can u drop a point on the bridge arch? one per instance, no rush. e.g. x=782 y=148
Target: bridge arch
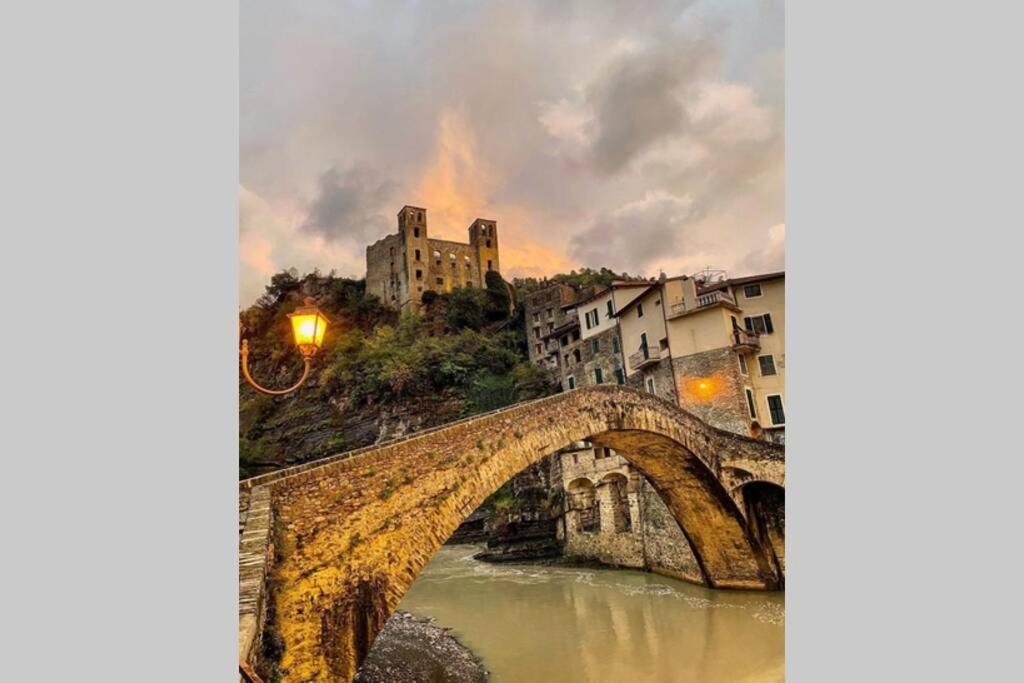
x=351 y=534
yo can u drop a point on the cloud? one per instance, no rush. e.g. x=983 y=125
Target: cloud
x=351 y=204
x=634 y=234
x=639 y=135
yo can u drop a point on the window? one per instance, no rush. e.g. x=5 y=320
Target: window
x=451 y=256
x=598 y=379
x=488 y=243
x=540 y=347
x=750 y=404
x=657 y=302
x=572 y=382
x=576 y=355
x=536 y=317
x=419 y=274
x=639 y=310
x=743 y=363
x=536 y=332
x=643 y=340
x=440 y=280
x=650 y=385
x=575 y=335
x=663 y=344
x=566 y=359
x=762 y=324
x=767 y=365
x=575 y=458
x=565 y=340
x=615 y=344
x=415 y=232
x=776 y=410
x=551 y=327
x=419 y=216
x=610 y=313
x=592 y=319
x=595 y=345
x=417 y=254
x=752 y=291
x=551 y=313
x=490 y=265
x=620 y=377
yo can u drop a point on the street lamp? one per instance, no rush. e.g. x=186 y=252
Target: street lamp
x=308 y=327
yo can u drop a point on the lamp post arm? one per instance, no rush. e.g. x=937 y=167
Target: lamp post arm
x=273 y=392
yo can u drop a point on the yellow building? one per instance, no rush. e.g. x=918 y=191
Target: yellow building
x=716 y=348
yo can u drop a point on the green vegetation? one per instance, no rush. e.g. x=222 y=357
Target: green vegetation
x=464 y=355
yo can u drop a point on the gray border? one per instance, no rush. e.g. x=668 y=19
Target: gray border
x=903 y=128
x=119 y=141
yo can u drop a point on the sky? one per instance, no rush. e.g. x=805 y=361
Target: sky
x=641 y=135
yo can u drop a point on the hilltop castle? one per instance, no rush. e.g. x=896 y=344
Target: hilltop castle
x=401 y=267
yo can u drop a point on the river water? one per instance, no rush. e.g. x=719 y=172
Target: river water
x=540 y=624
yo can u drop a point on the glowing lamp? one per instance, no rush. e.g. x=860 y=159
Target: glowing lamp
x=308 y=326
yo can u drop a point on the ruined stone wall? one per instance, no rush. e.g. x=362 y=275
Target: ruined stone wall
x=710 y=385
x=451 y=265
x=386 y=274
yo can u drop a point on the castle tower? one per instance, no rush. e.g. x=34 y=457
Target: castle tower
x=483 y=237
x=412 y=228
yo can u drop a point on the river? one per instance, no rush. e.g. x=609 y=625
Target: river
x=538 y=624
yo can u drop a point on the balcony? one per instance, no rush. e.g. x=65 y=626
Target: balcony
x=643 y=358
x=745 y=340
x=703 y=301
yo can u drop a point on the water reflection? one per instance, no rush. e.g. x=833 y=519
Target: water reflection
x=532 y=623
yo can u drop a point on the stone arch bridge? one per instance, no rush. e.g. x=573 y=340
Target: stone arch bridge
x=328 y=548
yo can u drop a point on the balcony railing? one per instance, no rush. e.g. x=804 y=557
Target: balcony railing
x=643 y=358
x=703 y=301
x=745 y=340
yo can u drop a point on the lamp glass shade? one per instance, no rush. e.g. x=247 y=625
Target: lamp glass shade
x=308 y=326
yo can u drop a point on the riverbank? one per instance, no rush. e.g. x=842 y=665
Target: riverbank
x=414 y=649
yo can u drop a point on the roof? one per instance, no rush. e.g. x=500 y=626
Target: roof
x=749 y=279
x=637 y=298
x=564 y=327
x=616 y=284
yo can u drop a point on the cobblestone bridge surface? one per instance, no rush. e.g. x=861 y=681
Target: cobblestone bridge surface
x=331 y=546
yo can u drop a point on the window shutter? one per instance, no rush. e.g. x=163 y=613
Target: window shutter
x=749 y=324
x=768 y=323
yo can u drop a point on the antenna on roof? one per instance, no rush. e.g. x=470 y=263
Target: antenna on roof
x=710 y=275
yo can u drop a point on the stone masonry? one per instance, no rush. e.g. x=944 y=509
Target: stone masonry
x=351 y=532
x=402 y=266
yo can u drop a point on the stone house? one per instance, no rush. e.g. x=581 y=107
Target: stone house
x=613 y=515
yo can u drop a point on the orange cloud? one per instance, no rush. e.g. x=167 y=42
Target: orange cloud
x=457 y=188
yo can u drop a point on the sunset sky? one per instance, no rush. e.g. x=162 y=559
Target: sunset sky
x=641 y=136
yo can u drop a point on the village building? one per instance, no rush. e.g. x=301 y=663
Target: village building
x=712 y=345
x=401 y=267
